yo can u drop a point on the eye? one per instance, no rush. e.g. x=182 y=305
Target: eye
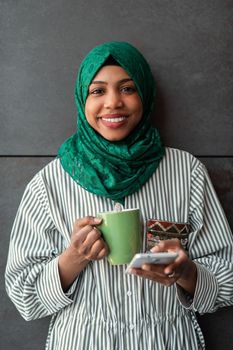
x=128 y=89
x=96 y=91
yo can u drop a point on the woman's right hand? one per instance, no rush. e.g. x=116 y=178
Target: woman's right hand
x=86 y=244
x=86 y=239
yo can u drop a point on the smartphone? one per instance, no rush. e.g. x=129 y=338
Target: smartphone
x=163 y=258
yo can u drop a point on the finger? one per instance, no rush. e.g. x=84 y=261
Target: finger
x=165 y=280
x=102 y=253
x=154 y=268
x=80 y=236
x=177 y=264
x=162 y=271
x=92 y=236
x=147 y=272
x=87 y=220
x=88 y=251
x=172 y=245
x=167 y=245
x=98 y=247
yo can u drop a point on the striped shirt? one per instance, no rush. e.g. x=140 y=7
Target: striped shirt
x=106 y=308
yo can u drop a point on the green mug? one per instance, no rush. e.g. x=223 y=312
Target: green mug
x=122 y=231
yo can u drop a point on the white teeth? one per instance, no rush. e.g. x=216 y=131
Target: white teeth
x=114 y=120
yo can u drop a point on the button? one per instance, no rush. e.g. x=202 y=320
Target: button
x=118 y=207
x=129 y=293
x=171 y=319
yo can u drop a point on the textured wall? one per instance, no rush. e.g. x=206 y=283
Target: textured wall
x=189 y=46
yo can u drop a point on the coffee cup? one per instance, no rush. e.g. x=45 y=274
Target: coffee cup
x=122 y=231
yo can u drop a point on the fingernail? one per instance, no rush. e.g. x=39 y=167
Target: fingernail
x=97 y=220
x=145 y=267
x=154 y=249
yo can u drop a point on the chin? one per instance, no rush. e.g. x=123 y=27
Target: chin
x=114 y=138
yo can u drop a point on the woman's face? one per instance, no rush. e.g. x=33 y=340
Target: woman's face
x=113 y=107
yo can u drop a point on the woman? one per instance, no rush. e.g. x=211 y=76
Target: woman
x=57 y=260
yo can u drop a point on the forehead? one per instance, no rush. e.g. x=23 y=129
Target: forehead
x=111 y=74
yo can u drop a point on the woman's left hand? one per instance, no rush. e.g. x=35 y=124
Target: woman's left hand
x=182 y=271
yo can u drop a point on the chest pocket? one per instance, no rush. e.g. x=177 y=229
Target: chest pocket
x=157 y=230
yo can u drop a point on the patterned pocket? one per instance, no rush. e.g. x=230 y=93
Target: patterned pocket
x=158 y=230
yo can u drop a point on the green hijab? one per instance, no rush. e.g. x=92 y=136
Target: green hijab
x=113 y=169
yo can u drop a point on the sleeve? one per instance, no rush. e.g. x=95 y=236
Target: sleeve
x=210 y=247
x=32 y=276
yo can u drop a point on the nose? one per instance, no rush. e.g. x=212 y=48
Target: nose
x=113 y=100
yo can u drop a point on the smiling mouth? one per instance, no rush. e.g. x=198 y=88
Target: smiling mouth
x=116 y=118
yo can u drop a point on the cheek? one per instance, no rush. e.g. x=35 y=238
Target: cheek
x=90 y=111
x=139 y=109
x=92 y=105
x=87 y=107
x=86 y=111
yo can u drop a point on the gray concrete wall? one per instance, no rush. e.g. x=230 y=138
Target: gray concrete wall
x=189 y=46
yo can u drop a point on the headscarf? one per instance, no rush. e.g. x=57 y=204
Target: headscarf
x=120 y=168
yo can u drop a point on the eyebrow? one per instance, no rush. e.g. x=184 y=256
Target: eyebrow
x=104 y=82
